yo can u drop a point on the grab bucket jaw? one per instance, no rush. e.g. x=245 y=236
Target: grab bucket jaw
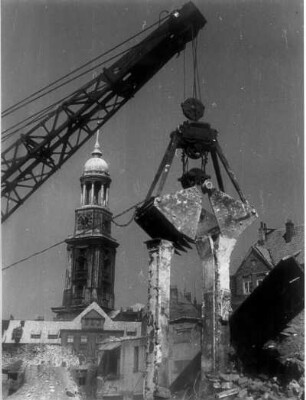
x=173 y=217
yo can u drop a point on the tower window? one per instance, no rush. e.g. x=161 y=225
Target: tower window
x=97 y=191
x=87 y=193
x=79 y=291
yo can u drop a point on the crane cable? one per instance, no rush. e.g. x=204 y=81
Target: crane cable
x=196 y=78
x=20 y=104
x=39 y=114
x=42 y=113
x=84 y=231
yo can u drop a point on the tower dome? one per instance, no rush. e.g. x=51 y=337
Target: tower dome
x=96 y=165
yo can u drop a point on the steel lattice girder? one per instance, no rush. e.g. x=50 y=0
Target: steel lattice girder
x=37 y=154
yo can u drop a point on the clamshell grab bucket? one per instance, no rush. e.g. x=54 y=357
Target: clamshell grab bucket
x=172 y=217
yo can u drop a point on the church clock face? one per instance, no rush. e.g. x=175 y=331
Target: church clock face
x=85 y=221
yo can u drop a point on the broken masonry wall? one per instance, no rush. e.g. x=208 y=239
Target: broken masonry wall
x=185 y=344
x=158 y=314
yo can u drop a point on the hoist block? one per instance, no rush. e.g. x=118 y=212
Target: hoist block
x=173 y=217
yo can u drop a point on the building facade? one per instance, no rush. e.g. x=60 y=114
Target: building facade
x=83 y=334
x=271 y=247
x=121 y=369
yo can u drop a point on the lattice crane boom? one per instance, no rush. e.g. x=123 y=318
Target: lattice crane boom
x=41 y=151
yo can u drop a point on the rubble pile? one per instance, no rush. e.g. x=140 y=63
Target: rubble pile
x=289 y=346
x=41 y=354
x=44 y=382
x=261 y=387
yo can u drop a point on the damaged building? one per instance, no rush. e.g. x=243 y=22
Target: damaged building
x=271 y=247
x=112 y=345
x=267 y=325
x=87 y=318
x=173 y=343
x=122 y=361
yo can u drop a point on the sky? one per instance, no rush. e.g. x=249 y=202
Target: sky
x=250 y=58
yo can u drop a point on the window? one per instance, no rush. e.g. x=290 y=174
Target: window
x=93 y=322
x=79 y=292
x=84 y=339
x=70 y=339
x=136 y=358
x=247 y=287
x=99 y=338
x=111 y=364
x=131 y=333
x=12 y=375
x=258 y=282
x=52 y=335
x=82 y=380
x=35 y=335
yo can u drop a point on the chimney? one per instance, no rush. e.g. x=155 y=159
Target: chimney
x=262 y=233
x=174 y=294
x=289 y=231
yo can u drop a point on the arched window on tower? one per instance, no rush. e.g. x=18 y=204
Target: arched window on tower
x=87 y=194
x=81 y=266
x=97 y=191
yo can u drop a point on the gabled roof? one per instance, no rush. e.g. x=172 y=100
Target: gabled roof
x=276 y=248
x=93 y=306
x=263 y=254
x=44 y=329
x=41 y=328
x=279 y=248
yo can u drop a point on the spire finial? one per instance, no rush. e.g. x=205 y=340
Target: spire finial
x=97 y=151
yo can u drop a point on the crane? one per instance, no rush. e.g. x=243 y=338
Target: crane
x=43 y=149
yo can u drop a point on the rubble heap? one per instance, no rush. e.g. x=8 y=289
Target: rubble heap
x=234 y=386
x=41 y=354
x=47 y=383
x=261 y=387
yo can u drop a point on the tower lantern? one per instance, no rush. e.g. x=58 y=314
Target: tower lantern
x=95 y=180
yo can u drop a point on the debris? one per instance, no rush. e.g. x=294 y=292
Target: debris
x=227 y=385
x=227 y=393
x=243 y=381
x=229 y=377
x=70 y=393
x=242 y=393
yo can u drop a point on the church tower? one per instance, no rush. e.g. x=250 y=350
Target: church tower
x=90 y=274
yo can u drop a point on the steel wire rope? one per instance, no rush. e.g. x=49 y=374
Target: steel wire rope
x=195 y=94
x=84 y=231
x=197 y=69
x=58 y=101
x=4 y=137
x=19 y=104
